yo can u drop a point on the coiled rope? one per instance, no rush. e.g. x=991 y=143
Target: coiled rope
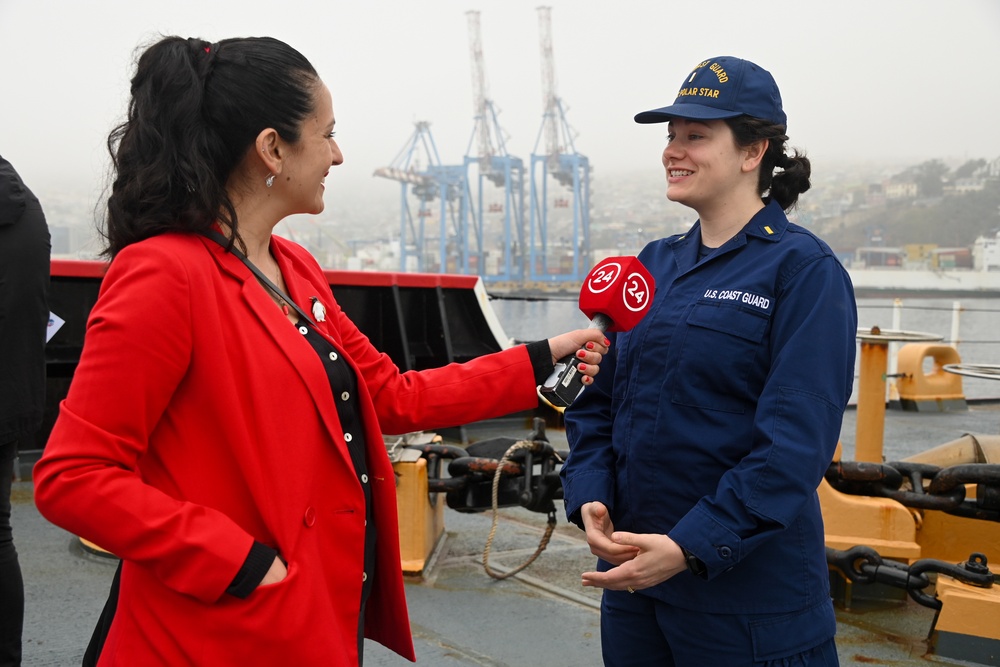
x=517 y=446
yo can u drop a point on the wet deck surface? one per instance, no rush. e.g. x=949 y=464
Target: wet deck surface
x=460 y=616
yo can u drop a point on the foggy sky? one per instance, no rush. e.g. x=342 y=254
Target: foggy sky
x=902 y=80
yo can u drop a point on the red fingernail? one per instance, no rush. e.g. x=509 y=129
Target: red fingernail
x=606 y=342
x=581 y=354
x=590 y=346
x=582 y=367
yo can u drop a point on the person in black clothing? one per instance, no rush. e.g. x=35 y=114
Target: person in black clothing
x=24 y=316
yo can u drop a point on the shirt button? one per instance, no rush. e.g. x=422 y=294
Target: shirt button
x=309 y=518
x=303 y=330
x=333 y=356
x=725 y=552
x=364 y=576
x=364 y=478
x=348 y=437
x=344 y=396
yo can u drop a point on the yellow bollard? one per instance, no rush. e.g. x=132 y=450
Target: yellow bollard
x=873 y=365
x=421 y=518
x=870 y=428
x=936 y=391
x=966 y=627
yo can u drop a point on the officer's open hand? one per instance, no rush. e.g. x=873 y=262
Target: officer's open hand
x=597 y=523
x=658 y=559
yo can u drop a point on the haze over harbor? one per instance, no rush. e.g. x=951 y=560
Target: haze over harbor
x=897 y=81
x=866 y=98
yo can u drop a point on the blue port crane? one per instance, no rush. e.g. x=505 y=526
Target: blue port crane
x=564 y=210
x=491 y=172
x=423 y=177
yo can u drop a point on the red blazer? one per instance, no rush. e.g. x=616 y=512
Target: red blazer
x=199 y=419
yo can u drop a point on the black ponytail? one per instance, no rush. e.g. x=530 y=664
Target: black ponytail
x=793 y=179
x=196 y=108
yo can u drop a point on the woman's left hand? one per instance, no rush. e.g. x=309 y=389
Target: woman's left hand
x=659 y=558
x=589 y=346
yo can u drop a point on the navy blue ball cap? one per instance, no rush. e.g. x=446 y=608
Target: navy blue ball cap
x=723 y=87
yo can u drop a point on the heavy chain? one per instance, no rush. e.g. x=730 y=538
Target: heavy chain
x=509 y=480
x=864 y=565
x=923 y=486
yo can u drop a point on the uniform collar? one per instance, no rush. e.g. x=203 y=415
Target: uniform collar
x=769 y=223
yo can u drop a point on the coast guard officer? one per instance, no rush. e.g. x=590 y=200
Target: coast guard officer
x=696 y=454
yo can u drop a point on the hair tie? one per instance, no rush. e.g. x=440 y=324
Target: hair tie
x=204 y=57
x=202 y=49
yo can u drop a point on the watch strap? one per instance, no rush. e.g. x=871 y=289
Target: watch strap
x=695 y=564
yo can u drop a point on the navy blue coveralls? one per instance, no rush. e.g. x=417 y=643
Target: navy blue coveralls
x=714 y=419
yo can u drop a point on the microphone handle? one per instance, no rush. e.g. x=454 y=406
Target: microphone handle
x=566 y=381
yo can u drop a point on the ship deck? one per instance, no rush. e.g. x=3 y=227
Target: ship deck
x=460 y=616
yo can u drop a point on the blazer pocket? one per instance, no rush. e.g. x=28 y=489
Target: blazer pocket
x=266 y=589
x=271 y=614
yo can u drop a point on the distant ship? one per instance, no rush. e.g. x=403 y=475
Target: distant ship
x=930 y=271
x=944 y=283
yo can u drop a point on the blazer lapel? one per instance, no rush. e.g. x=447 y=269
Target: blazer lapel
x=285 y=336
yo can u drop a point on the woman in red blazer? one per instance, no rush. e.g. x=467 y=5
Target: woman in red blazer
x=226 y=447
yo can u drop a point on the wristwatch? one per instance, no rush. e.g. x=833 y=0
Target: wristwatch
x=695 y=564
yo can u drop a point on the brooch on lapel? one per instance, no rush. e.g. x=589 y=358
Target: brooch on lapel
x=318 y=309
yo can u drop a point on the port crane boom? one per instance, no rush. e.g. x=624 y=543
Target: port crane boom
x=435 y=181
x=491 y=170
x=555 y=158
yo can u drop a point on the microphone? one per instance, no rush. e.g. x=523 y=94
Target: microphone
x=615 y=295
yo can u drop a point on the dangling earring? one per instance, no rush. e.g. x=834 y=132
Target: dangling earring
x=269 y=181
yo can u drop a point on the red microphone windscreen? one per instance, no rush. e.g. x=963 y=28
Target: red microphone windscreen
x=619 y=288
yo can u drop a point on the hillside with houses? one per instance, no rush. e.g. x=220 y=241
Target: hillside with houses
x=925 y=216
